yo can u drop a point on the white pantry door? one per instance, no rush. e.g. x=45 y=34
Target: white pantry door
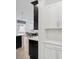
x=50 y=29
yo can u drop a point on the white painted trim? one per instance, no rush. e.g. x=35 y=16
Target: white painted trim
x=54 y=28
x=57 y=43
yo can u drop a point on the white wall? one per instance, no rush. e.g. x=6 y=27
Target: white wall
x=24 y=11
x=26 y=7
